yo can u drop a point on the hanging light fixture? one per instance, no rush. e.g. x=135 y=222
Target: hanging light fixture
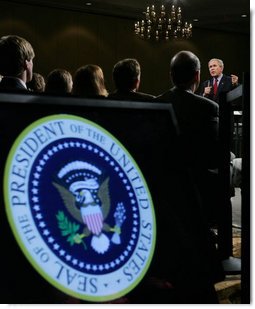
x=163 y=24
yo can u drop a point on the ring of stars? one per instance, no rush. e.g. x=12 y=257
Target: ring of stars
x=43 y=225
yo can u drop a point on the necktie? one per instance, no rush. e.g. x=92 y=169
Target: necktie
x=215 y=86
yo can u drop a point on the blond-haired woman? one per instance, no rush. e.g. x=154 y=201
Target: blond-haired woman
x=89 y=82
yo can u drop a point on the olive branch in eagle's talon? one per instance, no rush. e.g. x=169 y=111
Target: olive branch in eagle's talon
x=69 y=229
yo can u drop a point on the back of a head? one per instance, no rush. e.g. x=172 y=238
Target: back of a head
x=59 y=82
x=14 y=51
x=125 y=73
x=89 y=81
x=183 y=68
x=37 y=84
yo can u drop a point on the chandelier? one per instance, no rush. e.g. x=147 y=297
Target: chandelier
x=163 y=24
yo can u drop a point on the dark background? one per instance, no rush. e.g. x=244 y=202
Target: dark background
x=67 y=34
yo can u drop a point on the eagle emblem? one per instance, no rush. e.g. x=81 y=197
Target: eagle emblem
x=87 y=200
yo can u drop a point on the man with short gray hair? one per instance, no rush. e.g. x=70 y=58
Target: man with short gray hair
x=197 y=116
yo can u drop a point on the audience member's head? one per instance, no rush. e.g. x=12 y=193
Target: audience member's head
x=185 y=70
x=126 y=75
x=89 y=82
x=59 y=82
x=16 y=57
x=37 y=83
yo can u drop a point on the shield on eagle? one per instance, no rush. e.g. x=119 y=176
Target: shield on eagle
x=92 y=216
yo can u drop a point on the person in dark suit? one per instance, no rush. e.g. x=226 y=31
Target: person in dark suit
x=16 y=63
x=198 y=120
x=213 y=88
x=126 y=76
x=198 y=117
x=218 y=82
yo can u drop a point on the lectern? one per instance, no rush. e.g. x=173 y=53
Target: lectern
x=96 y=204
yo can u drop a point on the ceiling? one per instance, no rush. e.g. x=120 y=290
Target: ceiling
x=223 y=15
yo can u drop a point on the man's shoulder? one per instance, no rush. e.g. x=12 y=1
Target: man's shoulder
x=9 y=84
x=227 y=84
x=205 y=100
x=205 y=104
x=133 y=96
x=143 y=95
x=176 y=95
x=166 y=96
x=226 y=77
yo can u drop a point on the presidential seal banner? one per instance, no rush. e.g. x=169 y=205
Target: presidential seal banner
x=79 y=207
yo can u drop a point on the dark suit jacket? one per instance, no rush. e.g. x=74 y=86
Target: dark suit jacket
x=197 y=119
x=9 y=84
x=130 y=96
x=198 y=122
x=225 y=85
